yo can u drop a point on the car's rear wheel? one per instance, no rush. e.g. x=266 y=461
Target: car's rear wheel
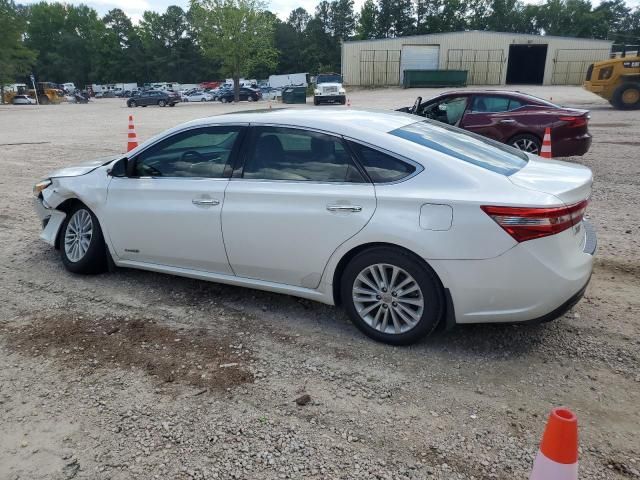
x=162 y=103
x=203 y=99
x=224 y=100
x=392 y=296
x=82 y=245
x=626 y=96
x=526 y=143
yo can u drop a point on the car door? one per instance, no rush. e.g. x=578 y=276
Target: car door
x=490 y=116
x=297 y=196
x=166 y=210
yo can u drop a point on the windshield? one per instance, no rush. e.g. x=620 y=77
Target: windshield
x=464 y=146
x=329 y=78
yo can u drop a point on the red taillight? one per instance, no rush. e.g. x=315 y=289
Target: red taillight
x=528 y=223
x=575 y=121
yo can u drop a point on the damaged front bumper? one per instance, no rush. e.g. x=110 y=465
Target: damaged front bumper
x=51 y=220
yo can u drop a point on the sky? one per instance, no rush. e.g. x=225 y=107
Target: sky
x=135 y=8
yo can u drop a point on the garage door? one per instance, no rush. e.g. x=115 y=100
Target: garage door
x=419 y=57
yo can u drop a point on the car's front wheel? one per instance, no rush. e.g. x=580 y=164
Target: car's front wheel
x=392 y=296
x=82 y=245
x=526 y=143
x=162 y=103
x=132 y=104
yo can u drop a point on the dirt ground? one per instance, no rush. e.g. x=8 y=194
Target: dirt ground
x=136 y=375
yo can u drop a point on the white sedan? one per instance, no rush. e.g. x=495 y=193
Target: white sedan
x=198 y=97
x=23 y=100
x=408 y=224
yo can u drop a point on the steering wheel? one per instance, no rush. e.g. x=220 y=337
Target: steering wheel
x=193 y=156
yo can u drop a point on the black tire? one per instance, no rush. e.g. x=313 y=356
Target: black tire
x=316 y=101
x=224 y=100
x=95 y=258
x=203 y=99
x=162 y=103
x=520 y=142
x=172 y=104
x=132 y=104
x=343 y=100
x=624 y=96
x=426 y=279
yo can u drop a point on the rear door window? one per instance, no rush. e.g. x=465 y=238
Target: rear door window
x=299 y=155
x=494 y=104
x=465 y=146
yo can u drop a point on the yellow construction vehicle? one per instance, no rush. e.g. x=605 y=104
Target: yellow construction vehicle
x=616 y=80
x=46 y=93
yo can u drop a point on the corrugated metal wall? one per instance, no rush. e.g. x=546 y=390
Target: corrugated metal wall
x=484 y=54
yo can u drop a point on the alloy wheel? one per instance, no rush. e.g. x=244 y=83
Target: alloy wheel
x=526 y=145
x=388 y=298
x=78 y=234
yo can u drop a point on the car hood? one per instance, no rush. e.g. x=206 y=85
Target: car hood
x=83 y=168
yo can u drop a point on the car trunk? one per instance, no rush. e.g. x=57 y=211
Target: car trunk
x=568 y=182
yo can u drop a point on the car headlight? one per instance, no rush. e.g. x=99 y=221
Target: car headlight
x=342 y=90
x=316 y=91
x=40 y=186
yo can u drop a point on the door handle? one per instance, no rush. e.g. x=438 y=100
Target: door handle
x=205 y=201
x=344 y=208
x=507 y=121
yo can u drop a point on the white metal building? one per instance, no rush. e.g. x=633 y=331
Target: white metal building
x=491 y=58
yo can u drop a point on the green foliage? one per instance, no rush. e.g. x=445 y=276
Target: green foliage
x=63 y=42
x=15 y=59
x=238 y=33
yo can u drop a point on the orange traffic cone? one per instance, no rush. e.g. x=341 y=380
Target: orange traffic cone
x=558 y=455
x=132 y=138
x=545 y=151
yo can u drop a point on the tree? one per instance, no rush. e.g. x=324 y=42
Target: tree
x=15 y=58
x=237 y=32
x=342 y=19
x=367 y=22
x=395 y=18
x=298 y=19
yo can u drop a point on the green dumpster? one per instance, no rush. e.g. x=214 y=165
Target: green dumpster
x=294 y=95
x=434 y=78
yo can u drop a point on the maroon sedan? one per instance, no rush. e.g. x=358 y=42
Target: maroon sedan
x=513 y=118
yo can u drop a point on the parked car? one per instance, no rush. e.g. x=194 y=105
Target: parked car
x=23 y=100
x=198 y=97
x=513 y=118
x=406 y=222
x=246 y=93
x=152 y=97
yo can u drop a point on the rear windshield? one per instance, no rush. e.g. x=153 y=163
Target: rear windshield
x=464 y=146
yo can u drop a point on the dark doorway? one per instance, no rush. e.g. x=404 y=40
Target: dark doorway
x=526 y=64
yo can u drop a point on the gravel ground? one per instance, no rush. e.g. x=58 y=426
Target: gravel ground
x=136 y=375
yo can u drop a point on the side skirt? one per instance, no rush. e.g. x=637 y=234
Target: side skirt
x=316 y=295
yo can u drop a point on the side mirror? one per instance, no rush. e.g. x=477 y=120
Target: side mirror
x=119 y=169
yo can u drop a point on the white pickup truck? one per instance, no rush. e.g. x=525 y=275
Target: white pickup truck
x=329 y=89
